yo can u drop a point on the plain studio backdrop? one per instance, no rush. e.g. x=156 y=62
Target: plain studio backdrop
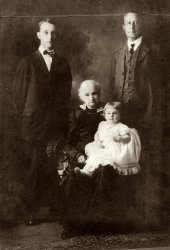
x=88 y=32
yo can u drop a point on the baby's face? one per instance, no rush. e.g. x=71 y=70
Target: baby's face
x=90 y=97
x=112 y=115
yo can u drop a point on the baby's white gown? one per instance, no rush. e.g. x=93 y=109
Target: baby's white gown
x=124 y=157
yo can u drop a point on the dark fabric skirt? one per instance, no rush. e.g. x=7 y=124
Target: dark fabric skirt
x=104 y=201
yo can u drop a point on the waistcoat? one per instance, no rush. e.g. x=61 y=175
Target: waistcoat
x=129 y=90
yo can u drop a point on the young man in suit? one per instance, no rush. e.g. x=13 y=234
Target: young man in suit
x=41 y=91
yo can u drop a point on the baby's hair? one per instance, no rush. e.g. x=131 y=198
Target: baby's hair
x=87 y=83
x=115 y=105
x=47 y=20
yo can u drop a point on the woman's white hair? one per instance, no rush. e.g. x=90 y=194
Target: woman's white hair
x=86 y=84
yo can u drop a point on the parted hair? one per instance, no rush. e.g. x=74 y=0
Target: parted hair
x=46 y=20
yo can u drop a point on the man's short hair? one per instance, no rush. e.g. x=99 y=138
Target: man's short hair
x=47 y=20
x=140 y=15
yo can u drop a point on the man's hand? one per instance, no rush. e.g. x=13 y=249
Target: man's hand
x=81 y=159
x=51 y=148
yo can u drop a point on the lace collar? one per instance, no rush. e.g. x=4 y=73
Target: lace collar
x=99 y=109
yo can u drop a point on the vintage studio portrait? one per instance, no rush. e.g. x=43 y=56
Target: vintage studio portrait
x=84 y=121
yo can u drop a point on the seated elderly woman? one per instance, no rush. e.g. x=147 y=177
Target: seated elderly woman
x=83 y=203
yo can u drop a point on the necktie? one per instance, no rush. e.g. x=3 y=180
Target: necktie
x=49 y=52
x=132 y=48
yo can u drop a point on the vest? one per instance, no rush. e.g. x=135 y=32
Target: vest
x=129 y=90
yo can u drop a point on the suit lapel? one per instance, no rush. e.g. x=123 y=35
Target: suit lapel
x=42 y=71
x=40 y=62
x=143 y=51
x=42 y=67
x=54 y=63
x=121 y=58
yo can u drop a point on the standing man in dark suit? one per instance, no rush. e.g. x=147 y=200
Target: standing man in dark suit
x=41 y=92
x=136 y=78
x=133 y=73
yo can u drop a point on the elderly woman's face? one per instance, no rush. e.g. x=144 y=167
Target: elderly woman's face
x=90 y=97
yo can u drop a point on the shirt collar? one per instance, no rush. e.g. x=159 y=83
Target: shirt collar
x=99 y=109
x=137 y=43
x=41 y=49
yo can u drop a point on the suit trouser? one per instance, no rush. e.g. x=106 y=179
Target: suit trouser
x=41 y=179
x=133 y=118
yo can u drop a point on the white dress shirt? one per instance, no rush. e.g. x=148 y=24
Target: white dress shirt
x=47 y=58
x=137 y=43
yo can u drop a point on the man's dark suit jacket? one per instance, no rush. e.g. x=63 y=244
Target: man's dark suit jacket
x=146 y=75
x=41 y=97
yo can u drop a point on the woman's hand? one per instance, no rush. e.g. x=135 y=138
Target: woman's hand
x=81 y=159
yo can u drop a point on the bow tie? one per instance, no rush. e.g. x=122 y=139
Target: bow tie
x=49 y=52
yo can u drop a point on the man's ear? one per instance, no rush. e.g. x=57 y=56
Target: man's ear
x=123 y=26
x=38 y=35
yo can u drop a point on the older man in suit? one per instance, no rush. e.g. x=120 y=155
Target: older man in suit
x=136 y=78
x=41 y=91
x=133 y=75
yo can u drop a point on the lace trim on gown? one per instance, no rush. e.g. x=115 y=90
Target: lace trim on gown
x=127 y=169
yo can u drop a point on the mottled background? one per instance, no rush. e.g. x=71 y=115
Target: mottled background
x=88 y=33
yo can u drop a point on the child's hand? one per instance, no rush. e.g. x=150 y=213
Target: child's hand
x=81 y=159
x=100 y=144
x=116 y=138
x=122 y=138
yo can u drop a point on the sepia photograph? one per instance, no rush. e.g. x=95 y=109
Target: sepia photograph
x=84 y=124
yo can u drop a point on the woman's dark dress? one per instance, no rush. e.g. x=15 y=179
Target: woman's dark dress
x=90 y=201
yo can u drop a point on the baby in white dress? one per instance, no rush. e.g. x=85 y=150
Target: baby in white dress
x=114 y=144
